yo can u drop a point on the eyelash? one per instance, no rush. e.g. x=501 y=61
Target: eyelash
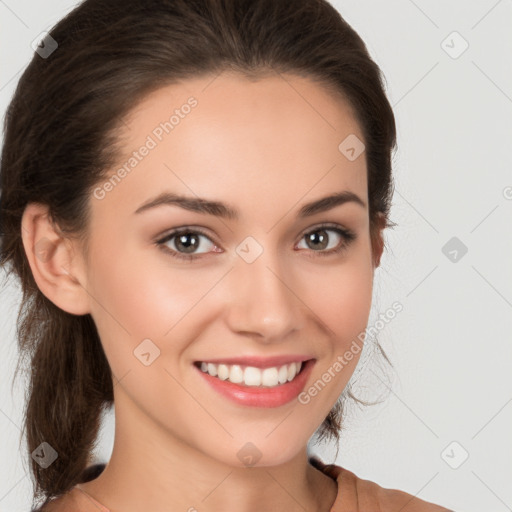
x=348 y=236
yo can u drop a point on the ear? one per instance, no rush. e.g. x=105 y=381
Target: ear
x=53 y=260
x=378 y=240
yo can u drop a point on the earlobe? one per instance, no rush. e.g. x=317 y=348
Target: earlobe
x=51 y=260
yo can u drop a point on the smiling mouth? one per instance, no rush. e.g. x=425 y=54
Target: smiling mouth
x=251 y=376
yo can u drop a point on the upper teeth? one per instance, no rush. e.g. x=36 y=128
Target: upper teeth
x=252 y=376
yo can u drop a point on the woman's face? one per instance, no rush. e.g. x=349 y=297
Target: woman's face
x=267 y=282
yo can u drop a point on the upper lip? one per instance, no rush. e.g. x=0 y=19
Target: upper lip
x=258 y=361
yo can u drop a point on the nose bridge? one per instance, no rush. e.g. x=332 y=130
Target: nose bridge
x=262 y=301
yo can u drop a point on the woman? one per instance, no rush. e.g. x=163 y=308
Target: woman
x=194 y=195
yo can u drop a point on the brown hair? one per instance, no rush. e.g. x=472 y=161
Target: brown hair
x=60 y=137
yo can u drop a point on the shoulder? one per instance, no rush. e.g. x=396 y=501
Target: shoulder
x=370 y=495
x=357 y=494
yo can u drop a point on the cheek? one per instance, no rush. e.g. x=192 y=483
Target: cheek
x=341 y=296
x=134 y=294
x=135 y=301
x=342 y=301
x=129 y=301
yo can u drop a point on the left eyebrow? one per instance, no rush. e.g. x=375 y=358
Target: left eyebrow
x=219 y=209
x=329 y=202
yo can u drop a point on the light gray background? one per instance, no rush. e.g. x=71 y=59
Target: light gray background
x=451 y=344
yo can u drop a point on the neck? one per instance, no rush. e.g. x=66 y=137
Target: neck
x=183 y=478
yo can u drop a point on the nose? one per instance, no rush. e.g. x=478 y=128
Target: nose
x=263 y=303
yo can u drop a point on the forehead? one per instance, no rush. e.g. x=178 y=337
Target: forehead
x=276 y=139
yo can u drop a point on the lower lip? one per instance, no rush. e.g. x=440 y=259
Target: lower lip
x=261 y=396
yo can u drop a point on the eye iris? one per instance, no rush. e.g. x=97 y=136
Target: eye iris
x=313 y=237
x=189 y=247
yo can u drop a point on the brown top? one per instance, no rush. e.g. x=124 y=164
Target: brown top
x=358 y=495
x=354 y=495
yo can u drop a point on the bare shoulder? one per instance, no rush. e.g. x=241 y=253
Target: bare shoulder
x=370 y=495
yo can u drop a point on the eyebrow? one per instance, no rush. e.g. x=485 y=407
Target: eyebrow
x=219 y=209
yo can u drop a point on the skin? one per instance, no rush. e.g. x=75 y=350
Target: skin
x=266 y=148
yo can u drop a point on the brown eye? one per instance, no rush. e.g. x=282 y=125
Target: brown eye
x=187 y=241
x=319 y=240
x=184 y=243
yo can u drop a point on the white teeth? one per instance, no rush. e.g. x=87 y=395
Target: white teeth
x=270 y=377
x=283 y=374
x=251 y=376
x=212 y=369
x=292 y=371
x=222 y=369
x=236 y=374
